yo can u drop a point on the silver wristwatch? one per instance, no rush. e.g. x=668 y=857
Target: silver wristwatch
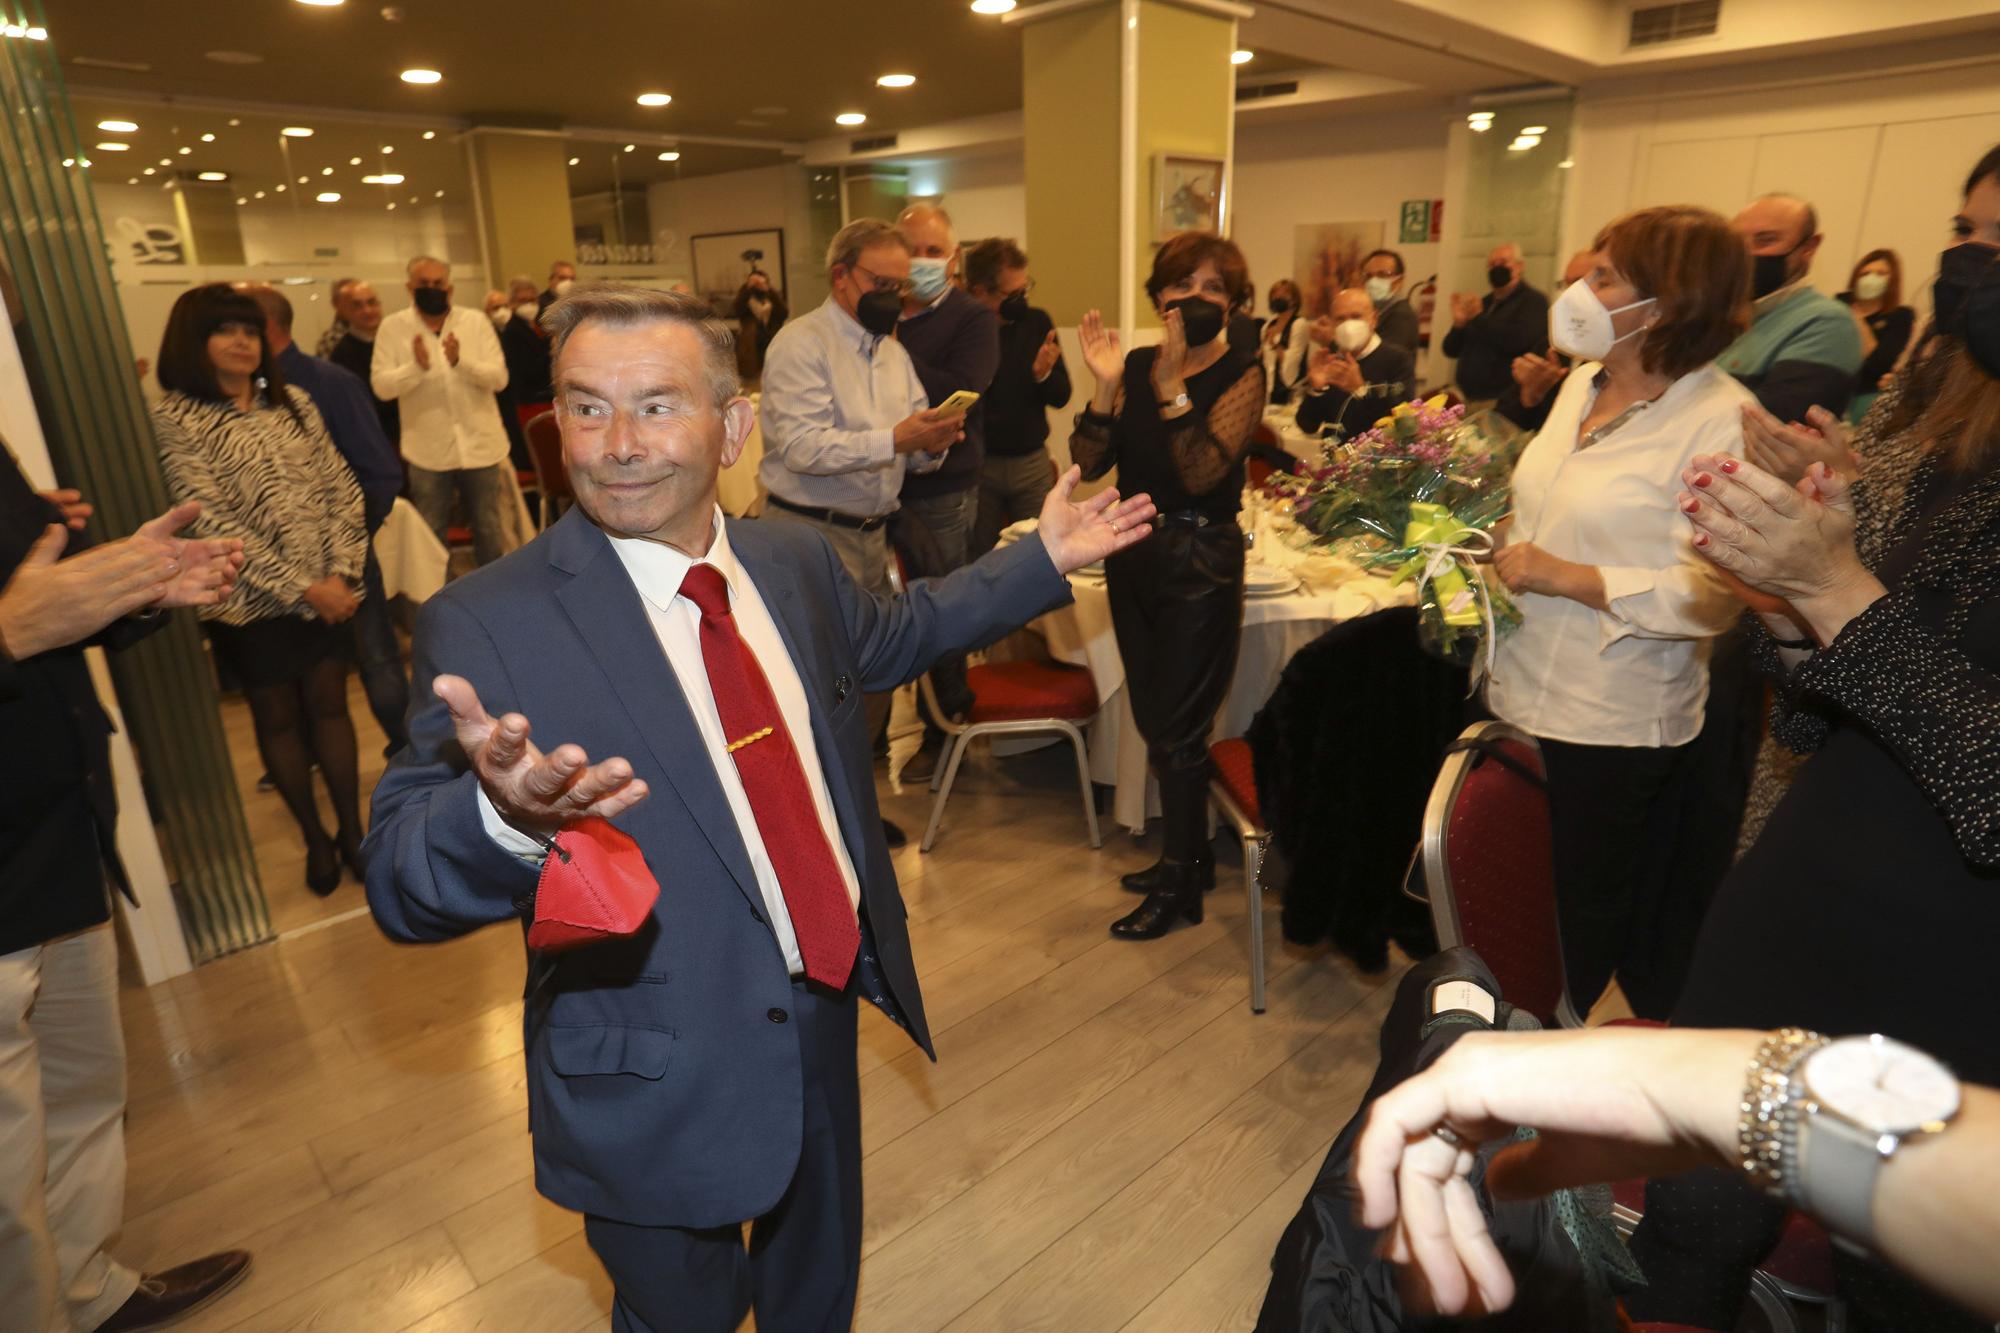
x=1178 y=400
x=1856 y=1102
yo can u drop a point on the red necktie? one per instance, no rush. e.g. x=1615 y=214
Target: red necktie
x=775 y=781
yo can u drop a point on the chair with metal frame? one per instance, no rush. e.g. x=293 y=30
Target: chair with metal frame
x=551 y=477
x=1232 y=787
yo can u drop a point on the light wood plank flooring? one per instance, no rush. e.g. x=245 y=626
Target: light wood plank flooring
x=1110 y=1139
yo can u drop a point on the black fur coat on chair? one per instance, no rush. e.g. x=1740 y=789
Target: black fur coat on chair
x=1346 y=749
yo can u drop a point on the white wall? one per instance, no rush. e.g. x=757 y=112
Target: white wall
x=1883 y=156
x=754 y=200
x=986 y=195
x=1343 y=169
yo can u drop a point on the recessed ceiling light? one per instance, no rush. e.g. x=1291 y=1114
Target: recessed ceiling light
x=1536 y=130
x=132 y=180
x=38 y=34
x=280 y=189
x=212 y=175
x=850 y=118
x=991 y=6
x=388 y=178
x=324 y=4
x=1241 y=57
x=353 y=161
x=655 y=99
x=438 y=195
x=421 y=76
x=113 y=146
x=297 y=132
x=670 y=156
x=304 y=179
x=388 y=148
x=326 y=171
x=236 y=57
x=1565 y=164
x=630 y=146
x=896 y=81
x=328 y=197
x=430 y=134
x=184 y=150
x=242 y=199
x=149 y=171
x=69 y=161
x=118 y=126
x=208 y=138
x=166 y=161
x=390 y=206
x=573 y=161
x=234 y=122
x=260 y=193
x=413 y=199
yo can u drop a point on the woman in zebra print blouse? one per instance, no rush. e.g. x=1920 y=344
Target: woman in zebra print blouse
x=254 y=451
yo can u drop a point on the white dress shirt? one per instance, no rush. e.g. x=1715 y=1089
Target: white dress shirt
x=656 y=570
x=449 y=419
x=832 y=395
x=1636 y=674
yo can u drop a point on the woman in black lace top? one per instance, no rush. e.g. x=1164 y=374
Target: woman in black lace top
x=1175 y=420
x=1871 y=902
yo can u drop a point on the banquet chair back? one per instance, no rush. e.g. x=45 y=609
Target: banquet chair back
x=1232 y=789
x=1488 y=869
x=551 y=477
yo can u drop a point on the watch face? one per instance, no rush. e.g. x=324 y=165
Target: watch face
x=1881 y=1085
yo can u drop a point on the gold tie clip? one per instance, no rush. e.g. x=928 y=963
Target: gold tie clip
x=734 y=746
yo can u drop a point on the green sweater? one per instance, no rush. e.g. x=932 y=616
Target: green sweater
x=1801 y=349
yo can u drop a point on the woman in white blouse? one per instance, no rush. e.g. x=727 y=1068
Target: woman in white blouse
x=1609 y=668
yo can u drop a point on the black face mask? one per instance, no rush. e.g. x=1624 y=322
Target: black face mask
x=1966 y=299
x=1014 y=307
x=1280 y=304
x=1770 y=272
x=878 y=312
x=1500 y=275
x=1201 y=320
x=432 y=301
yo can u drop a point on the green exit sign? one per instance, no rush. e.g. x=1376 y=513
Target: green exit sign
x=326 y=252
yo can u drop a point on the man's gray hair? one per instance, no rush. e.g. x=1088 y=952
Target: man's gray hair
x=618 y=306
x=340 y=286
x=410 y=269
x=859 y=235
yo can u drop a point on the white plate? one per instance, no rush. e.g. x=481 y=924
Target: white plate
x=1290 y=584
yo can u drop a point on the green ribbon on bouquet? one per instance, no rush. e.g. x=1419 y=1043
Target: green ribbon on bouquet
x=1438 y=537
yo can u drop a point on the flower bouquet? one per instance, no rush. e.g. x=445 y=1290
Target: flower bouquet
x=1419 y=494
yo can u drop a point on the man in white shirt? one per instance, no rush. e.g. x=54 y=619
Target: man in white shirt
x=442 y=365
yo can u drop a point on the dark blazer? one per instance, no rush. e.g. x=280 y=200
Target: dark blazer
x=663 y=1090
x=58 y=799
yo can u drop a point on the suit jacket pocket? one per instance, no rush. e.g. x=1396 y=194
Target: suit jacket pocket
x=610 y=1048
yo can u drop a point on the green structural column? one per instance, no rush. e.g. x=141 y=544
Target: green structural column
x=521 y=185
x=101 y=441
x=1128 y=105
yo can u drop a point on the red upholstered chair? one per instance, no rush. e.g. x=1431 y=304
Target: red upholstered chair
x=1232 y=787
x=1016 y=699
x=1487 y=867
x=551 y=477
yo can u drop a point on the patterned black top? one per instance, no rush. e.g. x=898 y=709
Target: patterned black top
x=274 y=481
x=1919 y=670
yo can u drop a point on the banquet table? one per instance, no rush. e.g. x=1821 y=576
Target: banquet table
x=1274 y=628
x=414 y=563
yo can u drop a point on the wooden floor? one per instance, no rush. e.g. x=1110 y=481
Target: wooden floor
x=1110 y=1139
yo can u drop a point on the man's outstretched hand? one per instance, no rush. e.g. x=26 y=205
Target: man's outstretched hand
x=1077 y=534
x=535 y=792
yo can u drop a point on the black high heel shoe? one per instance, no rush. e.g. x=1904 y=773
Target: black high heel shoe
x=349 y=845
x=1178 y=896
x=322 y=867
x=1155 y=875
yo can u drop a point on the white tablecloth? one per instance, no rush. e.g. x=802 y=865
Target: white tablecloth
x=413 y=561
x=1274 y=628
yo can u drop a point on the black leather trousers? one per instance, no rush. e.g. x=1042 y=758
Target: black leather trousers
x=1177 y=606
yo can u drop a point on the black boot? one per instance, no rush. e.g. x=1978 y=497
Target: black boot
x=1155 y=875
x=1179 y=895
x=1183 y=829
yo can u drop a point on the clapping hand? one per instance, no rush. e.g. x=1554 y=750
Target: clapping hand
x=1101 y=352
x=1336 y=370
x=75 y=511
x=1047 y=355
x=421 y=350
x=50 y=602
x=1464 y=308
x=450 y=345
x=535 y=792
x=205 y=567
x=1078 y=534
x=1792 y=542
x=1788 y=452
x=1536 y=375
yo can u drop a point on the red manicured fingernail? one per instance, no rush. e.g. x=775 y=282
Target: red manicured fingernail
x=1729 y=465
x=1701 y=539
x=1702 y=479
x=1690 y=505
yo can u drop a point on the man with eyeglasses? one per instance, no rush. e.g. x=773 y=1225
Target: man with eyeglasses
x=1017 y=473
x=844 y=415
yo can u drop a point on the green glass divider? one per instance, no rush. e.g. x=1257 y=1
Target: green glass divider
x=101 y=439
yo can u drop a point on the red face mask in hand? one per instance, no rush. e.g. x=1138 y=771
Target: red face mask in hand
x=595 y=886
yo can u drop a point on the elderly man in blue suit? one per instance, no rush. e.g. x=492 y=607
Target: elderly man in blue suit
x=700 y=1073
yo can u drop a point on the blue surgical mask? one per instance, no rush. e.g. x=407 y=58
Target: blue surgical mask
x=928 y=278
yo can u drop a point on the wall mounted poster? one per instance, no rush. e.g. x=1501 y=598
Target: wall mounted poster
x=1327 y=256
x=1187 y=194
x=722 y=260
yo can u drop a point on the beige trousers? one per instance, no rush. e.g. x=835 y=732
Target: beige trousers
x=62 y=1135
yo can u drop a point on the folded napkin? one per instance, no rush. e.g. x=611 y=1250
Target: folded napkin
x=594 y=886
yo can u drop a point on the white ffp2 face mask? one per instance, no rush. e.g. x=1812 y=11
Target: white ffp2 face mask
x=1351 y=335
x=1871 y=286
x=1379 y=289
x=1580 y=326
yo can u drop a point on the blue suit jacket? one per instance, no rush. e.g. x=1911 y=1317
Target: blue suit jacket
x=659 y=1091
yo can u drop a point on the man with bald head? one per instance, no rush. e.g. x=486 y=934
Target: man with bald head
x=1488 y=332
x=1356 y=382
x=1802 y=348
x=953 y=339
x=348 y=408
x=358 y=309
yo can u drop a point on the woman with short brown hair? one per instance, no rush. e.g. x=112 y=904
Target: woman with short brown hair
x=1175 y=420
x=1609 y=667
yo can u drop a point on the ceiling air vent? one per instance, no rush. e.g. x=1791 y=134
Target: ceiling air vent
x=1256 y=92
x=1655 y=24
x=875 y=144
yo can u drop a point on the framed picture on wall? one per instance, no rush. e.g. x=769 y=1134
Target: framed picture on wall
x=723 y=259
x=1326 y=256
x=1187 y=194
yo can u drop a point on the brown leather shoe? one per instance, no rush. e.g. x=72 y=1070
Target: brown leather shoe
x=163 y=1298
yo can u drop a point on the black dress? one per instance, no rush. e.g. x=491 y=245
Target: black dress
x=1871 y=900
